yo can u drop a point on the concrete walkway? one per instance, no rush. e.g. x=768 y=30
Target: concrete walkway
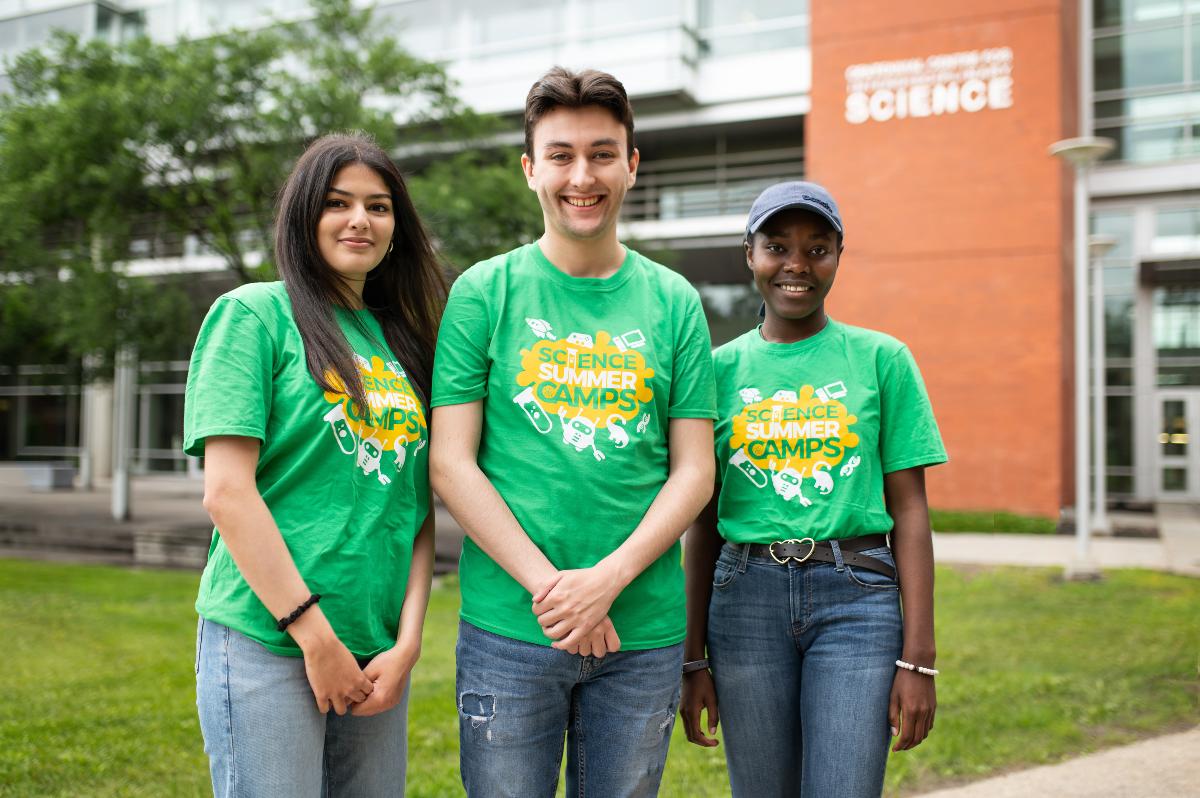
x=1176 y=549
x=1162 y=767
x=169 y=526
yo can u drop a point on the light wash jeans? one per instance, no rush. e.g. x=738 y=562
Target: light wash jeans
x=803 y=656
x=265 y=738
x=516 y=700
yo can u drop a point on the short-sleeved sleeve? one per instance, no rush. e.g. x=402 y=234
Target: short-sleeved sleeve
x=693 y=384
x=909 y=433
x=229 y=384
x=460 y=367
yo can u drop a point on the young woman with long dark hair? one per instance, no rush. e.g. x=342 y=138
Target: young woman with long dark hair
x=817 y=534
x=307 y=399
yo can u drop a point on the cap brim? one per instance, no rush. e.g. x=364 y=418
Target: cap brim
x=812 y=207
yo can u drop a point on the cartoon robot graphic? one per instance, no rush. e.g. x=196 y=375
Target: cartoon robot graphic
x=747 y=466
x=580 y=432
x=401 y=454
x=821 y=478
x=370 y=451
x=533 y=411
x=643 y=423
x=785 y=396
x=395 y=367
x=541 y=328
x=616 y=431
x=341 y=429
x=850 y=465
x=750 y=395
x=583 y=339
x=787 y=482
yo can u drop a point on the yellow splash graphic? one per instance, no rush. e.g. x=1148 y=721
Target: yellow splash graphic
x=393 y=416
x=599 y=382
x=805 y=434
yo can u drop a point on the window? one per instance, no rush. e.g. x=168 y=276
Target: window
x=1124 y=12
x=1147 y=78
x=753 y=25
x=1137 y=59
x=1176 y=231
x=1177 y=322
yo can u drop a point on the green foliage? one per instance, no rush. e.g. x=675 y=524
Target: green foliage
x=102 y=145
x=476 y=205
x=98 y=696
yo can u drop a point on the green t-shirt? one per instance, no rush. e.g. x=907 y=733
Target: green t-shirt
x=808 y=429
x=579 y=377
x=348 y=493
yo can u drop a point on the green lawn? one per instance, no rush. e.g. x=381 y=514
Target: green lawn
x=96 y=685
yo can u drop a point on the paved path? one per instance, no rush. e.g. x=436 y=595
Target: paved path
x=169 y=526
x=1162 y=767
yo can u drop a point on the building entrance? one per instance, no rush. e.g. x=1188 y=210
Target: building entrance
x=1177 y=449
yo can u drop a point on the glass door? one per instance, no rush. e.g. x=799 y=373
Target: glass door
x=1177 y=471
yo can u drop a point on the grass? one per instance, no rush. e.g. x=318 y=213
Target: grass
x=987 y=521
x=97 y=694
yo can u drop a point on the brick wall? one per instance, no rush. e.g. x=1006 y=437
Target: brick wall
x=958 y=226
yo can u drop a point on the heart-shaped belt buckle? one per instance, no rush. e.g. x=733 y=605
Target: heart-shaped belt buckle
x=812 y=546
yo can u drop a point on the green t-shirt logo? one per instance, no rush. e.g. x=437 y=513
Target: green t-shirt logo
x=791 y=437
x=591 y=383
x=393 y=419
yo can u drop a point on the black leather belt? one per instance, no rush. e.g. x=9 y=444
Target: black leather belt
x=808 y=550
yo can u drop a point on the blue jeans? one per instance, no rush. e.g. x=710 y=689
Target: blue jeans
x=803 y=657
x=265 y=738
x=516 y=700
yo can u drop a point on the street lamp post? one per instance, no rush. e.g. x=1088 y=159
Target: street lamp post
x=1099 y=245
x=1081 y=153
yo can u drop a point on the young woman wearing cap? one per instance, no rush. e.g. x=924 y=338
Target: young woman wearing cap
x=306 y=398
x=794 y=596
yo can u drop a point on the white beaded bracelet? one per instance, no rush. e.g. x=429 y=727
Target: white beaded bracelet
x=908 y=666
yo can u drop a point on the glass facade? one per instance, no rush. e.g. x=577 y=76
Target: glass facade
x=1152 y=347
x=1119 y=272
x=1147 y=77
x=751 y=25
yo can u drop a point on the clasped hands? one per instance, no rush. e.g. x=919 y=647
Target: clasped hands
x=572 y=609
x=338 y=684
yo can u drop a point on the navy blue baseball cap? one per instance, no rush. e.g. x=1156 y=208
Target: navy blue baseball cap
x=794 y=194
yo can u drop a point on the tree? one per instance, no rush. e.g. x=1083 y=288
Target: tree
x=477 y=205
x=105 y=148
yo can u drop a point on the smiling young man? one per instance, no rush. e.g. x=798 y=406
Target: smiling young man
x=574 y=399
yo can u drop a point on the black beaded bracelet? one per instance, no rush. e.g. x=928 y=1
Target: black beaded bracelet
x=284 y=623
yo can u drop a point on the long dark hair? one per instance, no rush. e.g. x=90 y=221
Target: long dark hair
x=405 y=292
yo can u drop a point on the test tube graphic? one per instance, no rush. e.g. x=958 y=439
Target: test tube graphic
x=747 y=467
x=541 y=422
x=341 y=429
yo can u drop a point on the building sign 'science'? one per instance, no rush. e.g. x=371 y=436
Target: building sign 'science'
x=968 y=81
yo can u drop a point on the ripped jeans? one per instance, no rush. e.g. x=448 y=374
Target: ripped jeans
x=516 y=700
